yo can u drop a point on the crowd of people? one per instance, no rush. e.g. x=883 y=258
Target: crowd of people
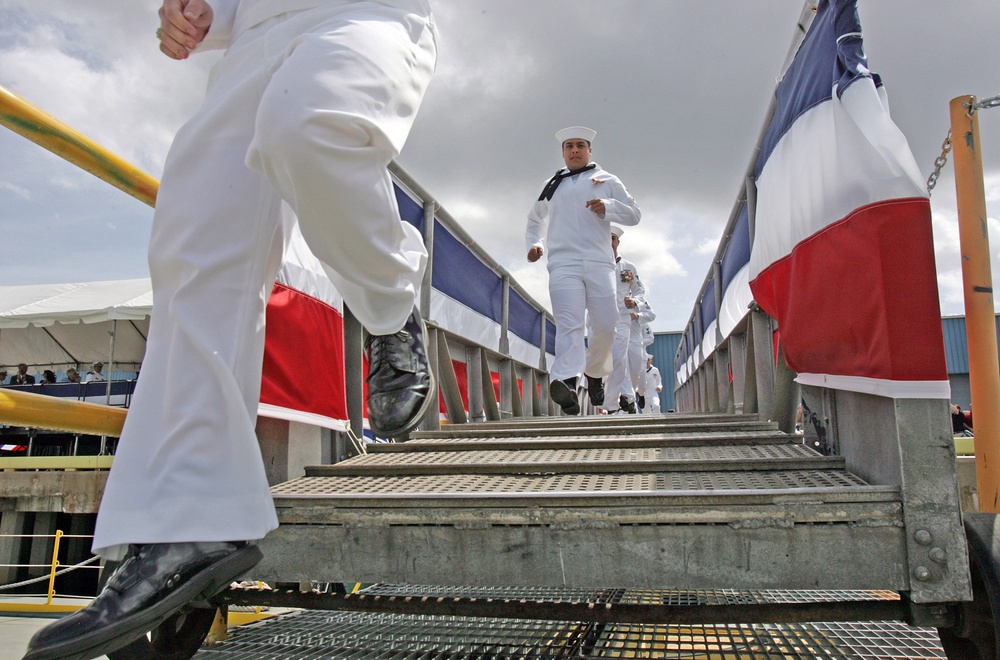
x=51 y=377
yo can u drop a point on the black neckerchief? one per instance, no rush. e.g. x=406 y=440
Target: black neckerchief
x=550 y=187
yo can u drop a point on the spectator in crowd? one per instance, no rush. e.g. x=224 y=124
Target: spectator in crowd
x=22 y=377
x=3 y=376
x=48 y=377
x=97 y=375
x=73 y=376
x=961 y=421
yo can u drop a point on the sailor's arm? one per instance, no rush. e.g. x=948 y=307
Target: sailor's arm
x=534 y=234
x=620 y=208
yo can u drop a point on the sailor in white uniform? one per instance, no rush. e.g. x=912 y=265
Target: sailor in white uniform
x=641 y=317
x=570 y=223
x=650 y=386
x=632 y=311
x=302 y=115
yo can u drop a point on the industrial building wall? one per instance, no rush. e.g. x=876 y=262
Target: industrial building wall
x=663 y=350
x=956 y=351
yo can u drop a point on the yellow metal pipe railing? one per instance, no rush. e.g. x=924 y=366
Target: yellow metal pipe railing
x=55 y=567
x=48 y=132
x=46 y=412
x=22 y=603
x=977 y=277
x=36 y=410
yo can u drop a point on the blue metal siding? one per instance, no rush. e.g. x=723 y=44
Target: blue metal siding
x=956 y=347
x=663 y=350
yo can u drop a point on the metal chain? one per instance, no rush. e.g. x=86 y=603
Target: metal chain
x=47 y=576
x=987 y=103
x=939 y=163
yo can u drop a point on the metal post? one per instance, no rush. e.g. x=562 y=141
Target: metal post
x=354 y=374
x=430 y=209
x=475 y=363
x=55 y=566
x=980 y=328
x=542 y=341
x=505 y=316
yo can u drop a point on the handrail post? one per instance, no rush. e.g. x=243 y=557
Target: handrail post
x=55 y=565
x=980 y=323
x=430 y=208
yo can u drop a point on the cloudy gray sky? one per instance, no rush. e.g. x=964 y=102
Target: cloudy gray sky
x=676 y=90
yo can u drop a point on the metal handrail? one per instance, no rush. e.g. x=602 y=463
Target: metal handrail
x=50 y=577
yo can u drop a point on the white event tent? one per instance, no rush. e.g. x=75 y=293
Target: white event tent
x=56 y=326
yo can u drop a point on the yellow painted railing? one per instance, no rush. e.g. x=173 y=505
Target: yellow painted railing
x=46 y=412
x=36 y=410
x=22 y=603
x=56 y=462
x=45 y=130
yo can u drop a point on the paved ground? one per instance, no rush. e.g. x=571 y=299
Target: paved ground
x=15 y=631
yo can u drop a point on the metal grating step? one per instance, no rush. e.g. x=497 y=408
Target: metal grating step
x=363 y=636
x=605 y=421
x=685 y=439
x=498 y=486
x=643 y=596
x=612 y=460
x=619 y=427
x=583 y=420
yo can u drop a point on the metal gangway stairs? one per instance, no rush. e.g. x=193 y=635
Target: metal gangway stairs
x=679 y=501
x=674 y=535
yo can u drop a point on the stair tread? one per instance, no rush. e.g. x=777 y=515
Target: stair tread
x=591 y=459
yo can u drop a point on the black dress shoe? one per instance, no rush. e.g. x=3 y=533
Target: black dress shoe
x=152 y=583
x=400 y=382
x=595 y=390
x=565 y=396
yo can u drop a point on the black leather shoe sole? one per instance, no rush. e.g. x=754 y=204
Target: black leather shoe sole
x=204 y=584
x=565 y=397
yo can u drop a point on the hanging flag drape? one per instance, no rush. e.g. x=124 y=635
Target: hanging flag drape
x=303 y=376
x=843 y=255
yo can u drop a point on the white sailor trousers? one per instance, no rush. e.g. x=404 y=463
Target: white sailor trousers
x=583 y=296
x=636 y=354
x=301 y=118
x=619 y=382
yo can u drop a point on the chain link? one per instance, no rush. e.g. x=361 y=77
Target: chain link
x=987 y=103
x=939 y=163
